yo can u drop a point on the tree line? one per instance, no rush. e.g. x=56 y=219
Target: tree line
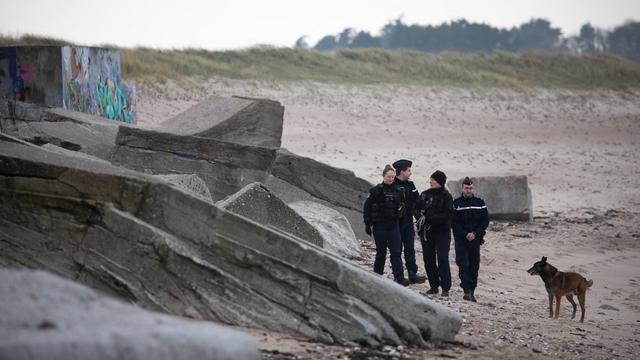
x=464 y=36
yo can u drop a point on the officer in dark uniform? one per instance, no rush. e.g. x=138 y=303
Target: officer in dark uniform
x=382 y=210
x=434 y=211
x=407 y=232
x=469 y=224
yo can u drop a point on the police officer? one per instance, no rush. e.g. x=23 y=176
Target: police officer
x=382 y=210
x=407 y=232
x=434 y=211
x=469 y=224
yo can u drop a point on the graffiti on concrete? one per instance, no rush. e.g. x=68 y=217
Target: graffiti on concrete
x=14 y=76
x=92 y=84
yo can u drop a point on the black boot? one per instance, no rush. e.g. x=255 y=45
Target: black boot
x=402 y=281
x=416 y=279
x=433 y=291
x=473 y=296
x=468 y=296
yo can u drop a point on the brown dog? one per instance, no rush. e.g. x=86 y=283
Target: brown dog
x=560 y=283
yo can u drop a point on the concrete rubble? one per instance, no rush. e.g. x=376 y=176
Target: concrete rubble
x=257 y=203
x=336 y=232
x=44 y=316
x=125 y=212
x=241 y=120
x=507 y=197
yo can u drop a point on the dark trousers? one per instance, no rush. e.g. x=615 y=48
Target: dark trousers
x=468 y=260
x=407 y=238
x=387 y=235
x=435 y=251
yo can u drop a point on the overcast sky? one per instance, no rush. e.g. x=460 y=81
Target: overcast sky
x=242 y=23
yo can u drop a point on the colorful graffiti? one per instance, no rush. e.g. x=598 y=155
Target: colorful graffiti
x=92 y=84
x=14 y=76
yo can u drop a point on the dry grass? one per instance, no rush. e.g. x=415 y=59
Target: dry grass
x=372 y=66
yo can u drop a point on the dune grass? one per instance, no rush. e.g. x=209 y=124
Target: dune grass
x=376 y=66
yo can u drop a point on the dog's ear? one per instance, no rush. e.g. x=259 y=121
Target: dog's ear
x=544 y=259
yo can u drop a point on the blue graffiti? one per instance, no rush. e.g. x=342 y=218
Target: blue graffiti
x=15 y=87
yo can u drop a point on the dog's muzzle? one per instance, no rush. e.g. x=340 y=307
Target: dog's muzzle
x=532 y=271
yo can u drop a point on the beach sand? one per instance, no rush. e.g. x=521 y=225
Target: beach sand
x=579 y=150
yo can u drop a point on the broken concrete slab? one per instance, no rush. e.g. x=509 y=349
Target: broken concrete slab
x=337 y=186
x=334 y=228
x=241 y=120
x=227 y=167
x=11 y=110
x=140 y=239
x=47 y=317
x=222 y=152
x=290 y=194
x=66 y=129
x=67 y=152
x=257 y=203
x=192 y=184
x=507 y=197
x=60 y=114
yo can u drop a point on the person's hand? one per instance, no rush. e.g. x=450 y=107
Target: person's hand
x=367 y=229
x=471 y=236
x=420 y=222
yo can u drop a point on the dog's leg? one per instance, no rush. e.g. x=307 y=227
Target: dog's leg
x=582 y=294
x=573 y=303
x=550 y=305
x=558 y=297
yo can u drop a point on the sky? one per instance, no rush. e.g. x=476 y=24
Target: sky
x=234 y=24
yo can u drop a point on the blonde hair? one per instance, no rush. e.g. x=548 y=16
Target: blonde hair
x=387 y=168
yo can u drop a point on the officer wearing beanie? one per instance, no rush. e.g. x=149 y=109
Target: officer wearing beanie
x=407 y=232
x=434 y=211
x=469 y=223
x=382 y=211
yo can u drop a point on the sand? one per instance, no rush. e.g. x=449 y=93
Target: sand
x=579 y=150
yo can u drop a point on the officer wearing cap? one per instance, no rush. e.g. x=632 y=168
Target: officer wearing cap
x=407 y=232
x=433 y=211
x=469 y=224
x=382 y=211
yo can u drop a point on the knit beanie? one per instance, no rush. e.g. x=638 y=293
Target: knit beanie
x=439 y=177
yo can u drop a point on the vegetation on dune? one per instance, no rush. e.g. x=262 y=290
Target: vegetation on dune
x=376 y=66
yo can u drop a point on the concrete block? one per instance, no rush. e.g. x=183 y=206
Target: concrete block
x=241 y=120
x=257 y=203
x=507 y=197
x=44 y=316
x=333 y=226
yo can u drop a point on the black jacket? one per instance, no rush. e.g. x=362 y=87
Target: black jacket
x=411 y=196
x=469 y=215
x=384 y=203
x=437 y=207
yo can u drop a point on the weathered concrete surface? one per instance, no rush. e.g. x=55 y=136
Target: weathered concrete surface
x=337 y=186
x=507 y=197
x=227 y=167
x=138 y=238
x=222 y=152
x=238 y=119
x=334 y=228
x=44 y=316
x=192 y=184
x=257 y=203
x=70 y=130
x=12 y=110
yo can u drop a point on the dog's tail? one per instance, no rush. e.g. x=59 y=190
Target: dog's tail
x=588 y=282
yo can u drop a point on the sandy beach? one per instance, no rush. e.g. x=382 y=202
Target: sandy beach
x=579 y=150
